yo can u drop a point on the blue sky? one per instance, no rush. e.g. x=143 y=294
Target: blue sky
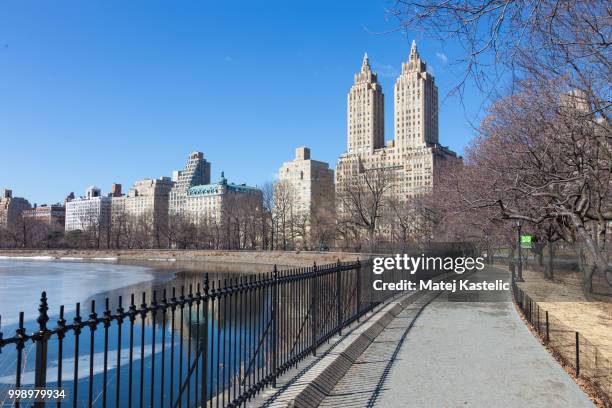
x=95 y=92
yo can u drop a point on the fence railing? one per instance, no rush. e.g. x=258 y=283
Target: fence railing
x=574 y=349
x=216 y=344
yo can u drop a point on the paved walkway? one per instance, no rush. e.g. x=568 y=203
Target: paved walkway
x=464 y=350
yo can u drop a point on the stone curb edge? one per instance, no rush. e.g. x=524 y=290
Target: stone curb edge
x=319 y=381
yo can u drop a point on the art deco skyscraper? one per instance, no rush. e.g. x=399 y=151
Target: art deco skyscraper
x=409 y=161
x=365 y=113
x=416 y=104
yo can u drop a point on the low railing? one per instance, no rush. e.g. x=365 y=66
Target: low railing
x=218 y=344
x=571 y=347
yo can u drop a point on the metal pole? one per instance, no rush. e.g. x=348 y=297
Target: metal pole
x=339 y=296
x=204 y=397
x=519 y=263
x=274 y=327
x=358 y=278
x=370 y=291
x=547 y=328
x=530 y=311
x=577 y=354
x=313 y=294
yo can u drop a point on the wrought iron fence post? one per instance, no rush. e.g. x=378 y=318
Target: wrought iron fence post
x=40 y=370
x=547 y=328
x=530 y=311
x=358 y=290
x=205 y=343
x=371 y=292
x=20 y=333
x=577 y=354
x=313 y=296
x=92 y=323
x=274 y=326
x=339 y=296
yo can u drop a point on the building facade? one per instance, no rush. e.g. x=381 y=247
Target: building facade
x=415 y=105
x=115 y=190
x=91 y=211
x=148 y=199
x=11 y=209
x=308 y=187
x=53 y=215
x=410 y=160
x=196 y=173
x=365 y=112
x=213 y=201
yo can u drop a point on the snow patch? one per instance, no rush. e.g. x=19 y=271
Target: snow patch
x=29 y=258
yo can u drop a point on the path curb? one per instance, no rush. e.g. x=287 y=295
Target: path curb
x=323 y=377
x=312 y=387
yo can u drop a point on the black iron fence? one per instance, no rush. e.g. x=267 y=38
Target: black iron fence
x=216 y=344
x=572 y=348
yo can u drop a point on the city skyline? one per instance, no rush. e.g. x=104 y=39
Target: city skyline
x=139 y=142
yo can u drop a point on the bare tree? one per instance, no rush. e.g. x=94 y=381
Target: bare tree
x=266 y=216
x=540 y=159
x=544 y=38
x=363 y=199
x=181 y=231
x=546 y=234
x=284 y=202
x=412 y=221
x=457 y=219
x=144 y=227
x=91 y=223
x=322 y=229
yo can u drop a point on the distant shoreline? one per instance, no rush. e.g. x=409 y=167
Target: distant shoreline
x=300 y=259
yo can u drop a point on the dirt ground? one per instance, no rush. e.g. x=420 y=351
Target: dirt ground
x=564 y=299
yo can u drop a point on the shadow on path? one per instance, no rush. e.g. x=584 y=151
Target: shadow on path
x=465 y=349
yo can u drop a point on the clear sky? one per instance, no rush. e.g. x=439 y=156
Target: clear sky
x=95 y=92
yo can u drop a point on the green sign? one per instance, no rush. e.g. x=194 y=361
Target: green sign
x=526 y=241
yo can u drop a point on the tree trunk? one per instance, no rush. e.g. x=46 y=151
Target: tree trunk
x=587 y=278
x=371 y=239
x=540 y=256
x=489 y=249
x=593 y=257
x=25 y=236
x=511 y=258
x=601 y=235
x=549 y=272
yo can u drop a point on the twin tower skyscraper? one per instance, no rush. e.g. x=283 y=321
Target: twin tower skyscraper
x=415 y=107
x=414 y=153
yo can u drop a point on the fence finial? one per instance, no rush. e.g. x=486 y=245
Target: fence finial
x=43 y=317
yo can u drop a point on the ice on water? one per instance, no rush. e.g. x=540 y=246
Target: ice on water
x=66 y=282
x=27 y=378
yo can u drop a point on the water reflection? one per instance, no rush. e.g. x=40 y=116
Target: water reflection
x=146 y=359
